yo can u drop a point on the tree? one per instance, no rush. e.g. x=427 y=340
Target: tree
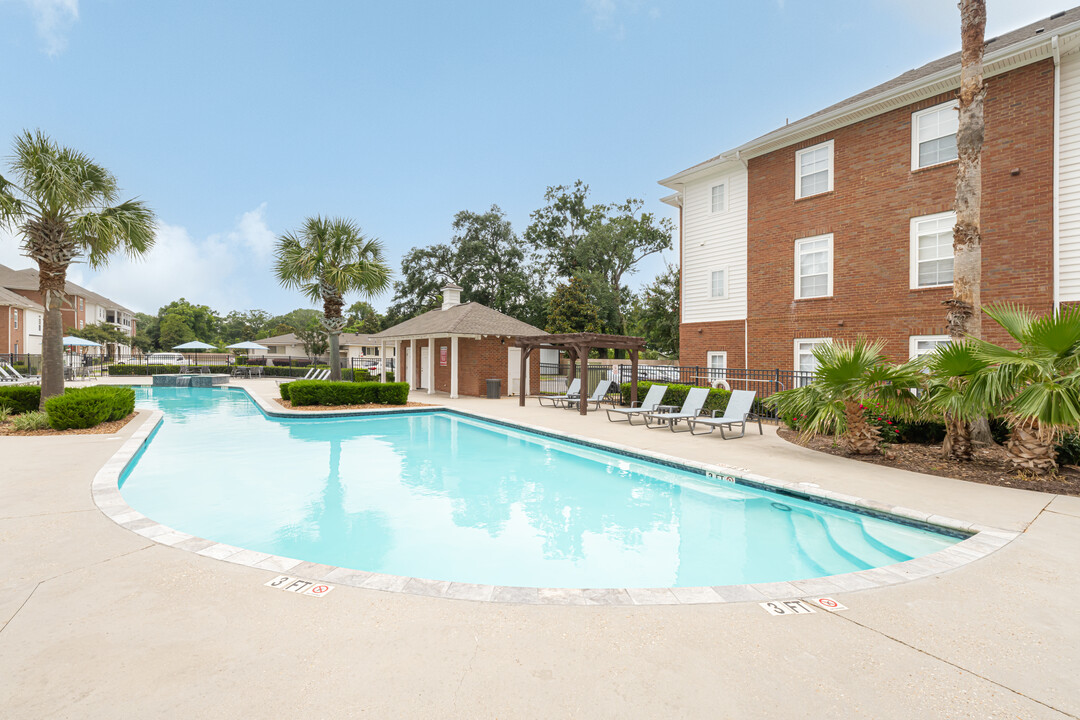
x=201 y=319
x=655 y=313
x=560 y=226
x=313 y=336
x=424 y=272
x=293 y=320
x=951 y=371
x=572 y=310
x=850 y=376
x=964 y=317
x=66 y=207
x=238 y=326
x=329 y=258
x=103 y=333
x=175 y=330
x=147 y=332
x=362 y=318
x=1037 y=386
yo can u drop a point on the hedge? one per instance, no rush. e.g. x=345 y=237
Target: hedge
x=89 y=406
x=676 y=395
x=326 y=392
x=20 y=398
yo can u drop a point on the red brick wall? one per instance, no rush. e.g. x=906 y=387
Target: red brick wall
x=696 y=340
x=875 y=195
x=68 y=312
x=479 y=360
x=7 y=334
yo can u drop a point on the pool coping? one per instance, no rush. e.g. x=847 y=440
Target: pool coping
x=982 y=541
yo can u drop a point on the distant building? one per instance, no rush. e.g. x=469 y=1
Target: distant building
x=22 y=307
x=351 y=345
x=840 y=224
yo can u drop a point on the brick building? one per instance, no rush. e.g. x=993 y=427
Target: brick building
x=840 y=224
x=458 y=347
x=21 y=304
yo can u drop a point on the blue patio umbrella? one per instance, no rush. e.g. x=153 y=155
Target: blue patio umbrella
x=195 y=345
x=72 y=341
x=246 y=345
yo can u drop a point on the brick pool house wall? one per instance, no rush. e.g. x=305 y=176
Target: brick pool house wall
x=479 y=360
x=876 y=193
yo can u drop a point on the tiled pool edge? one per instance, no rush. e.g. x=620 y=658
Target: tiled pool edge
x=107 y=496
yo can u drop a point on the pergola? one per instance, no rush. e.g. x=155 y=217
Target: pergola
x=577 y=346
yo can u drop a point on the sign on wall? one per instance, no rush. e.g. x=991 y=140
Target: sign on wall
x=442 y=355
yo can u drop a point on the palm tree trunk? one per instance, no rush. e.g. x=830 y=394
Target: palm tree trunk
x=957 y=445
x=965 y=306
x=1031 y=447
x=860 y=438
x=333 y=322
x=52 y=280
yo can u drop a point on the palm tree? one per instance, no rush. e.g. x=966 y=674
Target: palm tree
x=952 y=371
x=327 y=259
x=849 y=377
x=65 y=207
x=1038 y=385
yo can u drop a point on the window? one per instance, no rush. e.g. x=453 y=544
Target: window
x=718 y=284
x=80 y=324
x=39 y=323
x=717 y=360
x=933 y=135
x=81 y=306
x=813 y=267
x=15 y=313
x=932 y=250
x=926 y=344
x=813 y=170
x=804 y=354
x=719 y=198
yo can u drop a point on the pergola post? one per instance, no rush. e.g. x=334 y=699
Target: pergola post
x=571 y=356
x=583 y=405
x=633 y=377
x=453 y=367
x=524 y=367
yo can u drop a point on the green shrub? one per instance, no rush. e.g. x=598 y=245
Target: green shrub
x=283 y=388
x=33 y=420
x=89 y=406
x=1068 y=449
x=5 y=413
x=326 y=392
x=676 y=395
x=21 y=398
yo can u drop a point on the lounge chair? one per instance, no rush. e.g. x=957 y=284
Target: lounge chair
x=10 y=374
x=572 y=393
x=598 y=394
x=737 y=412
x=654 y=397
x=322 y=374
x=310 y=375
x=695 y=401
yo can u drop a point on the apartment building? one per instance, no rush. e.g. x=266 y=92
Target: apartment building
x=81 y=307
x=840 y=224
x=351 y=345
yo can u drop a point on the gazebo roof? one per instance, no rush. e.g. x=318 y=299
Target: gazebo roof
x=467 y=319
x=592 y=340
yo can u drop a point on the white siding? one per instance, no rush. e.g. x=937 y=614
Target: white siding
x=714 y=241
x=1068 y=209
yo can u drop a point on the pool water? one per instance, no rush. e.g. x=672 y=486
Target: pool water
x=444 y=496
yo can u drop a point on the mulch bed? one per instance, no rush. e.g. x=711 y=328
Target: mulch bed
x=107 y=428
x=989 y=465
x=370 y=406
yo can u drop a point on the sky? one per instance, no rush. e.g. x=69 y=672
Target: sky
x=236 y=120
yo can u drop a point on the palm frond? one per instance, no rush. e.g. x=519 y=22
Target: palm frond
x=1013 y=317
x=128 y=226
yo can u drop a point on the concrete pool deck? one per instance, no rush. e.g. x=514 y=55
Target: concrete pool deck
x=96 y=620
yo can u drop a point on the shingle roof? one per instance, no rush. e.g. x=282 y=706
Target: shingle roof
x=468 y=319
x=1043 y=28
x=14 y=299
x=27 y=279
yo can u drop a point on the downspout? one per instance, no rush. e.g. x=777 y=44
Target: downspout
x=746 y=266
x=1057 y=170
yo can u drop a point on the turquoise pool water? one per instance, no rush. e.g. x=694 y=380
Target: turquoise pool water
x=442 y=496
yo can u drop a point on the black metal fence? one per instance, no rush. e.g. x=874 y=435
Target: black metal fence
x=554 y=378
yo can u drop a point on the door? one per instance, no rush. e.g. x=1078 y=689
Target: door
x=513 y=370
x=424 y=367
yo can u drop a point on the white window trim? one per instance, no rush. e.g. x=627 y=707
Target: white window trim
x=798 y=277
x=709 y=356
x=913 y=342
x=798 y=163
x=800 y=341
x=16 y=316
x=915 y=133
x=724 y=184
x=913 y=251
x=727 y=278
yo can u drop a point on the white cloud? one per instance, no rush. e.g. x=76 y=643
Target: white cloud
x=252 y=232
x=608 y=15
x=53 y=19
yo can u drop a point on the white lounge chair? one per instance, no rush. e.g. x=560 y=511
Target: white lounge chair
x=598 y=394
x=653 y=398
x=737 y=412
x=572 y=393
x=322 y=374
x=695 y=401
x=310 y=374
x=9 y=374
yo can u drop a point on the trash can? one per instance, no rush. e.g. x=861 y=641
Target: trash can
x=493 y=388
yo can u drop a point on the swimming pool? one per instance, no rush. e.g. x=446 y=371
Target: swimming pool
x=445 y=496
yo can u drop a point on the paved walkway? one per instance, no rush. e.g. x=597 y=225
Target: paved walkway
x=121 y=626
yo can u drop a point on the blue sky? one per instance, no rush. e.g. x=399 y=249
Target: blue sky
x=235 y=120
